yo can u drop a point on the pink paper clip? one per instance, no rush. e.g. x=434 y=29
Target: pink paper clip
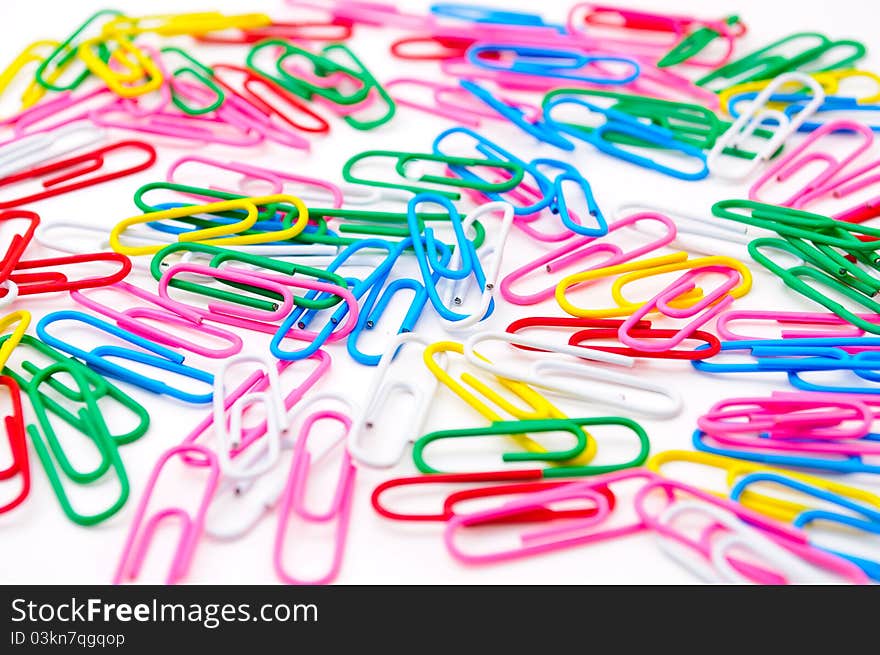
x=256 y=382
x=580 y=249
x=240 y=112
x=377 y=14
x=233 y=311
x=75 y=171
x=836 y=326
x=146 y=321
x=705 y=309
x=806 y=154
x=293 y=499
x=848 y=184
x=51 y=114
x=140 y=535
x=716 y=542
x=791 y=415
x=577 y=532
x=452 y=102
x=252 y=174
x=252 y=319
x=206 y=129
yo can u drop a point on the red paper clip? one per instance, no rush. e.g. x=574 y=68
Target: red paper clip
x=604 y=328
x=248 y=93
x=17 y=445
x=333 y=30
x=19 y=242
x=53 y=281
x=526 y=481
x=438 y=47
x=69 y=169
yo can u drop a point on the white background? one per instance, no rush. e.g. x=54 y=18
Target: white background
x=38 y=545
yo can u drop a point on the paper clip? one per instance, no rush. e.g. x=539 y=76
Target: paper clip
x=76 y=167
x=228 y=428
x=15 y=437
x=737 y=282
x=403 y=160
x=772 y=60
x=293 y=499
x=141 y=534
x=577 y=532
x=756 y=116
x=36 y=148
x=35 y=276
x=55 y=64
x=583 y=248
x=541 y=374
x=386 y=383
x=479 y=485
x=466 y=259
x=590 y=329
x=561 y=458
x=619 y=127
x=143 y=321
x=866 y=519
x=556 y=63
x=791 y=163
x=100 y=357
x=785 y=547
x=831 y=324
x=92 y=427
x=19 y=242
x=30 y=55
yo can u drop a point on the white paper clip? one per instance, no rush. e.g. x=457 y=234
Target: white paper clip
x=541 y=374
x=755 y=116
x=40 y=147
x=457 y=290
x=383 y=385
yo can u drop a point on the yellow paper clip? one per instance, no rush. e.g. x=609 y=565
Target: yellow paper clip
x=221 y=235
x=139 y=75
x=24 y=318
x=538 y=407
x=180 y=24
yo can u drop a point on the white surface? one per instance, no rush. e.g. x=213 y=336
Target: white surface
x=38 y=545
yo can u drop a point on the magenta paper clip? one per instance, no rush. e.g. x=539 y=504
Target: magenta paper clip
x=257 y=382
x=293 y=499
x=835 y=326
x=147 y=321
x=239 y=112
x=577 y=532
x=720 y=544
x=796 y=415
x=806 y=154
x=705 y=309
x=249 y=175
x=847 y=184
x=140 y=535
x=579 y=249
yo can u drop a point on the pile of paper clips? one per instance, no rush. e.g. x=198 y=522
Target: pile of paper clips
x=165 y=301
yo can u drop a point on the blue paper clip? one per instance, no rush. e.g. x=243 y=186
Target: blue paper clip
x=792 y=355
x=618 y=122
x=539 y=129
x=560 y=204
x=833 y=104
x=430 y=268
x=491 y=150
x=481 y=14
x=557 y=63
x=871 y=522
x=379 y=298
x=162 y=358
x=301 y=317
x=850 y=464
